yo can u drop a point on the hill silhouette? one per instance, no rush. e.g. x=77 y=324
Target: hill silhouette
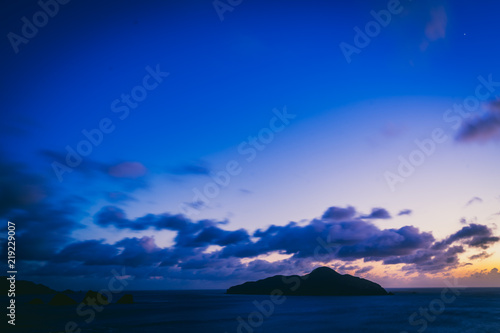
x=61 y=299
x=24 y=287
x=322 y=281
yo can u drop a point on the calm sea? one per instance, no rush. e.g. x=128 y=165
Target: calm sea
x=409 y=310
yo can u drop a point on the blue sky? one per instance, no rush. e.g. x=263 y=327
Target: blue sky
x=230 y=85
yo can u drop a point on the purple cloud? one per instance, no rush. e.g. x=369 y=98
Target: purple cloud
x=378 y=213
x=482 y=128
x=405 y=212
x=339 y=214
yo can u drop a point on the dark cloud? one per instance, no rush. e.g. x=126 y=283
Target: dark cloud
x=115 y=216
x=474 y=235
x=387 y=243
x=133 y=252
x=190 y=234
x=429 y=260
x=212 y=235
x=43 y=224
x=483 y=128
x=339 y=213
x=338 y=235
x=20 y=189
x=90 y=252
x=378 y=213
x=352 y=240
x=405 y=212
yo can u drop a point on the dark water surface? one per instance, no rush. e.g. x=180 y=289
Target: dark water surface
x=474 y=310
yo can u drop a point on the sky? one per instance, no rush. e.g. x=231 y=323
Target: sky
x=200 y=144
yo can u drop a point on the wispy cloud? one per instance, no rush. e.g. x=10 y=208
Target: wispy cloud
x=195 y=168
x=482 y=255
x=405 y=212
x=435 y=28
x=482 y=128
x=473 y=201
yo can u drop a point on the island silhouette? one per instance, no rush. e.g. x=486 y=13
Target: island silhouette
x=322 y=281
x=24 y=287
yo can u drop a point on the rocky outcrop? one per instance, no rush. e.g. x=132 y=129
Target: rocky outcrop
x=95 y=298
x=62 y=299
x=36 y=301
x=126 y=299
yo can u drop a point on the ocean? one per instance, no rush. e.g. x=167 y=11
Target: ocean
x=408 y=310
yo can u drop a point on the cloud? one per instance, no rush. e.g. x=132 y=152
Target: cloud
x=198 y=168
x=405 y=212
x=482 y=255
x=485 y=277
x=356 y=239
x=339 y=214
x=391 y=130
x=190 y=234
x=473 y=201
x=493 y=272
x=381 y=244
x=494 y=106
x=87 y=166
x=196 y=205
x=133 y=252
x=43 y=223
x=428 y=260
x=20 y=189
x=130 y=175
x=474 y=235
x=364 y=270
x=347 y=267
x=131 y=170
x=378 y=213
x=436 y=27
x=350 y=240
x=118 y=197
x=338 y=235
x=481 y=128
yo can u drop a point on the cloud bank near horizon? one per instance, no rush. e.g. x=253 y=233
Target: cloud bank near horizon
x=204 y=250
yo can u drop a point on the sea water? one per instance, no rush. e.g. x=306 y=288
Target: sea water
x=409 y=310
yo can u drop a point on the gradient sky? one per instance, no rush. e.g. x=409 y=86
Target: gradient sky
x=331 y=170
